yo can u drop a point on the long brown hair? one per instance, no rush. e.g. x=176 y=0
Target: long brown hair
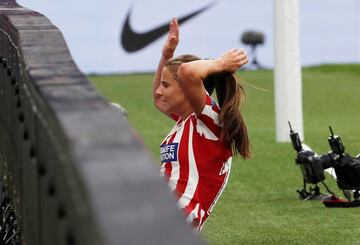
x=231 y=96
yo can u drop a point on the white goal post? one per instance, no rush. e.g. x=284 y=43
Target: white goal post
x=287 y=72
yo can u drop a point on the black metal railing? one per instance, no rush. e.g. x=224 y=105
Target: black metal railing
x=71 y=170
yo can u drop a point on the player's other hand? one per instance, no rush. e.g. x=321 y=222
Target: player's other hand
x=172 y=39
x=233 y=60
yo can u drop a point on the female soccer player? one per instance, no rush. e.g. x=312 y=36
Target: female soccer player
x=196 y=155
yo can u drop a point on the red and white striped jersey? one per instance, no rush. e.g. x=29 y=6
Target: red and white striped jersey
x=196 y=163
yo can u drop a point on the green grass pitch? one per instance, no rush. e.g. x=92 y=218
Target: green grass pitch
x=260 y=204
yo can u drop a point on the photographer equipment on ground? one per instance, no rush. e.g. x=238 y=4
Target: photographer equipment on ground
x=312 y=166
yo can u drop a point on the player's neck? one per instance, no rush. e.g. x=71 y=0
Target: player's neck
x=185 y=111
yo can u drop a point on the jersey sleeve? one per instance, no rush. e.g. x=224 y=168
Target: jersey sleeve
x=208 y=121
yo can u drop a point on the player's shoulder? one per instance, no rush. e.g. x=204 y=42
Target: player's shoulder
x=211 y=103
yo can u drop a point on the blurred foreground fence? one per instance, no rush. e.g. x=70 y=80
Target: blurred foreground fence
x=72 y=171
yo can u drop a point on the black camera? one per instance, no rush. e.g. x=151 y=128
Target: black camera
x=313 y=166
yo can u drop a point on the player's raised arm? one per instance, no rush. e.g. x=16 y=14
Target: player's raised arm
x=167 y=53
x=191 y=75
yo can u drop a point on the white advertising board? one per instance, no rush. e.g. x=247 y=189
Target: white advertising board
x=125 y=36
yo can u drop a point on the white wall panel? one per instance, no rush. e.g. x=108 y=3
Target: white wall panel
x=329 y=29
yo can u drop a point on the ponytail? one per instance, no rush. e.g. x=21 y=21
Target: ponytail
x=231 y=96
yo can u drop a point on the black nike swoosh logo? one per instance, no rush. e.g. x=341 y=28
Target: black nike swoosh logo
x=133 y=41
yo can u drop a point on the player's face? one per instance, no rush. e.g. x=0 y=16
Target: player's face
x=171 y=95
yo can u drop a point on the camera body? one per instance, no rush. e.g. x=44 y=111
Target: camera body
x=347 y=169
x=311 y=166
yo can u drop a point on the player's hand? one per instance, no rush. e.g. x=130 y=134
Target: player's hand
x=172 y=40
x=233 y=60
